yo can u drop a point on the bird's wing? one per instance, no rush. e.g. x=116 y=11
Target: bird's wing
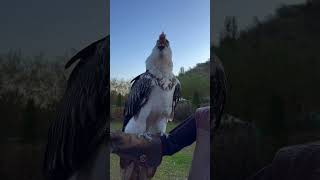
x=138 y=96
x=81 y=123
x=218 y=90
x=177 y=94
x=176 y=98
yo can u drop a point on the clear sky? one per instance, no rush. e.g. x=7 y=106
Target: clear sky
x=136 y=25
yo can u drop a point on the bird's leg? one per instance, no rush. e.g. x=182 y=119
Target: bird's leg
x=145 y=135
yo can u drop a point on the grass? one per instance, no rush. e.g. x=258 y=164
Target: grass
x=27 y=159
x=174 y=167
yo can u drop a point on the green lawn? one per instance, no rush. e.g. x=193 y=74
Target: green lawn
x=175 y=167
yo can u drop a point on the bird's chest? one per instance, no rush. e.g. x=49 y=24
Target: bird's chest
x=161 y=100
x=157 y=111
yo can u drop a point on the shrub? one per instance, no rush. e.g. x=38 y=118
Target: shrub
x=116 y=113
x=183 y=110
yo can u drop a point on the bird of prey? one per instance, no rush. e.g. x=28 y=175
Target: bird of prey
x=151 y=102
x=81 y=123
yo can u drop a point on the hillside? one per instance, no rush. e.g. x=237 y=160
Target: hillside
x=273 y=83
x=272 y=68
x=196 y=80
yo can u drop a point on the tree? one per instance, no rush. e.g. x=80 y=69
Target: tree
x=230 y=31
x=181 y=71
x=119 y=100
x=234 y=28
x=196 y=99
x=30 y=119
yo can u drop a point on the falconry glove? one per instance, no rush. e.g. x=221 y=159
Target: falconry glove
x=145 y=151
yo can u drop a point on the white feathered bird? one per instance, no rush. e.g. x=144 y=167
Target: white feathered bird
x=154 y=94
x=151 y=102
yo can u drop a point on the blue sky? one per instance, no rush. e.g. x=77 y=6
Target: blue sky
x=136 y=25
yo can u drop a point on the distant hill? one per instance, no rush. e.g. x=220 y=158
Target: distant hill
x=202 y=69
x=196 y=80
x=273 y=76
x=273 y=68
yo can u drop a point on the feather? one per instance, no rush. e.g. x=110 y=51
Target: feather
x=138 y=96
x=81 y=122
x=176 y=98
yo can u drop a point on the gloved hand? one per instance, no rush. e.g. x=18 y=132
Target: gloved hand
x=145 y=151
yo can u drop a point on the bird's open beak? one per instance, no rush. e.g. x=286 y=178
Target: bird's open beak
x=162 y=41
x=161 y=47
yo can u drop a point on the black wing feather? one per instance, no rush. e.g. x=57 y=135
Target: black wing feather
x=176 y=95
x=85 y=53
x=81 y=122
x=138 y=96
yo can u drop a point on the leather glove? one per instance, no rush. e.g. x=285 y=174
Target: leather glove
x=144 y=151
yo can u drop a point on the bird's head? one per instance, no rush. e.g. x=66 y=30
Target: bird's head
x=162 y=48
x=162 y=42
x=161 y=56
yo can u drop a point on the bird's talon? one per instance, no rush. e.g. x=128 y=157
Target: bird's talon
x=146 y=136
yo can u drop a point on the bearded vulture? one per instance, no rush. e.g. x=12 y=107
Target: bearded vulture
x=153 y=96
x=81 y=124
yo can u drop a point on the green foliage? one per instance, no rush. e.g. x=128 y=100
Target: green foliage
x=183 y=110
x=119 y=100
x=278 y=56
x=196 y=99
x=196 y=80
x=182 y=71
x=273 y=82
x=113 y=98
x=30 y=89
x=116 y=113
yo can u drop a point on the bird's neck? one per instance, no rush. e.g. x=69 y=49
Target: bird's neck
x=160 y=74
x=161 y=68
